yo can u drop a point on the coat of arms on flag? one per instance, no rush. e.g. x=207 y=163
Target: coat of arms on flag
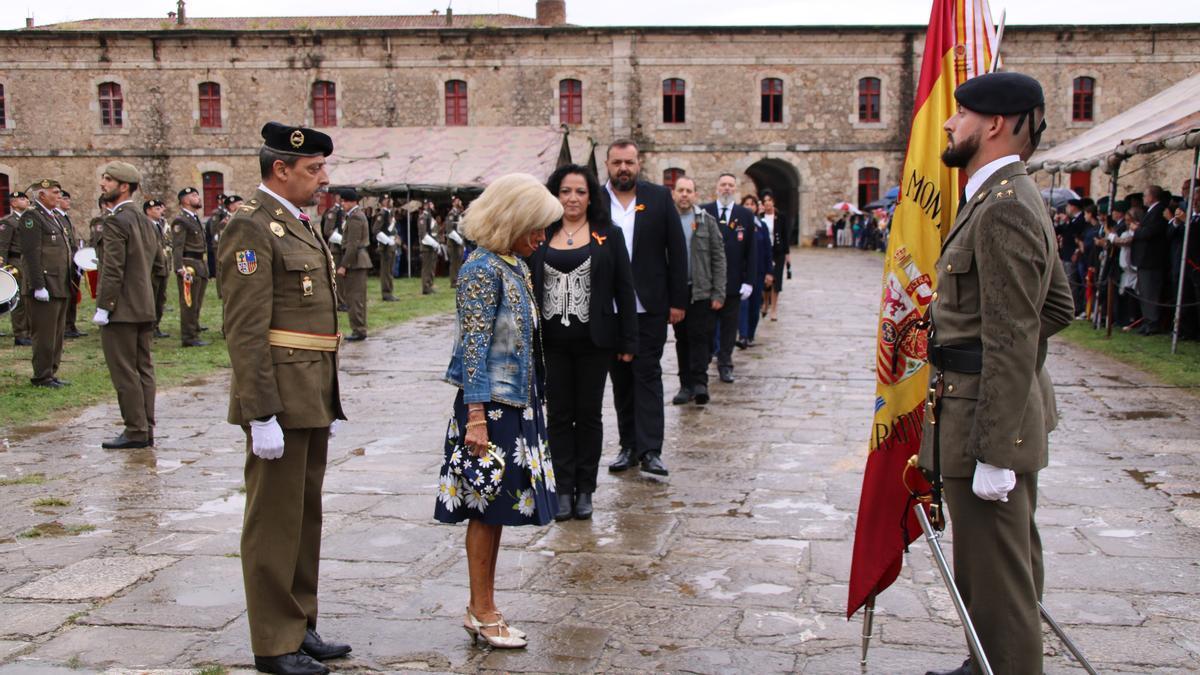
x=246 y=262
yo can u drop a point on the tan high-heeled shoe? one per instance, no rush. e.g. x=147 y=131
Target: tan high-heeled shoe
x=512 y=630
x=476 y=627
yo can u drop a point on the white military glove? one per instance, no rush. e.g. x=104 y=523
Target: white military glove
x=101 y=318
x=266 y=438
x=429 y=241
x=746 y=290
x=333 y=428
x=383 y=239
x=41 y=295
x=455 y=236
x=992 y=483
x=335 y=238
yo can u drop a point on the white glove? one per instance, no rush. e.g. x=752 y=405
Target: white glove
x=428 y=240
x=336 y=238
x=266 y=438
x=992 y=483
x=41 y=295
x=101 y=318
x=383 y=239
x=746 y=290
x=455 y=236
x=333 y=428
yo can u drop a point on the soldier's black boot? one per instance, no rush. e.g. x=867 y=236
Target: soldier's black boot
x=296 y=663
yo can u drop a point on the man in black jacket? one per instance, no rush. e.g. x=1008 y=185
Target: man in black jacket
x=1151 y=249
x=654 y=238
x=737 y=229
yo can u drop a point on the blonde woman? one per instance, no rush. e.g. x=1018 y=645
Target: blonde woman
x=497 y=469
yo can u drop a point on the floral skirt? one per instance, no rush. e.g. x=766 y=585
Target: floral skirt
x=524 y=493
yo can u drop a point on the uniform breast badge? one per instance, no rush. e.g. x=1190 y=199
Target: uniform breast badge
x=247 y=262
x=277 y=229
x=306 y=285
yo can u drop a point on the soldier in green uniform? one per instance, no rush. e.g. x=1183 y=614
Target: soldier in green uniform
x=63 y=213
x=45 y=267
x=427 y=234
x=354 y=264
x=125 y=304
x=154 y=209
x=10 y=259
x=454 y=239
x=332 y=222
x=383 y=229
x=281 y=331
x=1001 y=294
x=189 y=250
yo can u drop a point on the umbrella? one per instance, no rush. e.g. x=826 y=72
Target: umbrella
x=893 y=193
x=1058 y=197
x=879 y=204
x=845 y=206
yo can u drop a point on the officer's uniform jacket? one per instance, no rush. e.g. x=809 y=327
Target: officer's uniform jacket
x=10 y=242
x=46 y=251
x=277 y=273
x=161 y=236
x=189 y=247
x=999 y=284
x=355 y=241
x=332 y=220
x=427 y=225
x=131 y=253
x=453 y=220
x=386 y=224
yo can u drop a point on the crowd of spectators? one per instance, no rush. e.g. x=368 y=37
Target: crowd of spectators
x=864 y=231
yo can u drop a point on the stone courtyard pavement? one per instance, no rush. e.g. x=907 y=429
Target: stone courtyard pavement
x=736 y=563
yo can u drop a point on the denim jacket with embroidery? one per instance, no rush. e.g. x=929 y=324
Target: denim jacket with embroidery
x=494 y=332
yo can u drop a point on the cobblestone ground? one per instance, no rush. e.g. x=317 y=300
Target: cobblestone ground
x=737 y=563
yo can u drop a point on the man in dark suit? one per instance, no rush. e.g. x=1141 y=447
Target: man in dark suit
x=737 y=229
x=654 y=238
x=1151 y=248
x=1070 y=250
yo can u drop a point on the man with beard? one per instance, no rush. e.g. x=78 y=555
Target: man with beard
x=706 y=286
x=737 y=229
x=154 y=210
x=281 y=332
x=125 y=305
x=189 y=248
x=649 y=220
x=1001 y=295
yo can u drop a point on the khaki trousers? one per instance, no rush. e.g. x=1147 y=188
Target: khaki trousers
x=126 y=349
x=387 y=260
x=48 y=322
x=998 y=570
x=189 y=317
x=428 y=267
x=354 y=290
x=281 y=540
x=455 y=253
x=20 y=317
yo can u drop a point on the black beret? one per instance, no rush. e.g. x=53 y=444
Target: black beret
x=149 y=204
x=1077 y=203
x=17 y=195
x=349 y=194
x=296 y=140
x=230 y=199
x=1120 y=206
x=1000 y=94
x=66 y=194
x=188 y=191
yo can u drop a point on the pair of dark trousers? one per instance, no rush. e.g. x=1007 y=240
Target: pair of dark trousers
x=575 y=374
x=998 y=571
x=638 y=389
x=160 y=299
x=1077 y=284
x=48 y=322
x=1149 y=290
x=727 y=319
x=189 y=317
x=693 y=344
x=387 y=260
x=354 y=294
x=281 y=540
x=72 y=302
x=126 y=348
x=428 y=267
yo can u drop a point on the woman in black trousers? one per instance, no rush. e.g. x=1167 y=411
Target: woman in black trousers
x=577 y=275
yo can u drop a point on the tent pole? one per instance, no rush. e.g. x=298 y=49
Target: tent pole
x=1112 y=286
x=1187 y=226
x=408 y=228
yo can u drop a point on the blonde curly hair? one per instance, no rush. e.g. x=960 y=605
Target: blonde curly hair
x=510 y=208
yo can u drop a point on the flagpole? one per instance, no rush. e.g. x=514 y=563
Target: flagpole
x=999 y=39
x=868 y=629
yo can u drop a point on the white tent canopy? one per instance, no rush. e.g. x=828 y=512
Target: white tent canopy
x=1168 y=120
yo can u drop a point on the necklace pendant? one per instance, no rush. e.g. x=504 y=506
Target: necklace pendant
x=570 y=241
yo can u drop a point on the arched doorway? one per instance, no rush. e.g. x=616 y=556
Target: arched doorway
x=782 y=179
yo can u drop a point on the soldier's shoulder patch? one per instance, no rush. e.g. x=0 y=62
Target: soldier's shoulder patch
x=178 y=227
x=1005 y=194
x=29 y=223
x=277 y=229
x=247 y=261
x=3 y=225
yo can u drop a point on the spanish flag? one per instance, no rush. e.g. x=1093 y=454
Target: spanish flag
x=960 y=44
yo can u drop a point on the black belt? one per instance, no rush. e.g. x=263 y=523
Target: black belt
x=964 y=358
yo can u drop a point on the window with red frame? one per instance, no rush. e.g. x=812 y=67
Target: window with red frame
x=3 y=109
x=210 y=105
x=1081 y=183
x=5 y=207
x=868 y=185
x=868 y=100
x=671 y=175
x=772 y=100
x=674 y=104
x=456 y=103
x=1083 y=100
x=112 y=105
x=570 y=102
x=213 y=187
x=324 y=104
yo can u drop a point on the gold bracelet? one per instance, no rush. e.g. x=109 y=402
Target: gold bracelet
x=476 y=423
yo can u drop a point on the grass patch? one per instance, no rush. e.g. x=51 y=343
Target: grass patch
x=83 y=363
x=54 y=529
x=51 y=502
x=233 y=555
x=30 y=479
x=74 y=663
x=75 y=617
x=1150 y=354
x=212 y=670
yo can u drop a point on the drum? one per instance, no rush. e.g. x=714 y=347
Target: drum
x=86 y=260
x=9 y=292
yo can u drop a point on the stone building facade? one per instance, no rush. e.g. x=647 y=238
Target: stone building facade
x=816 y=147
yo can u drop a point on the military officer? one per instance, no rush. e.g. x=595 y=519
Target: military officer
x=189 y=253
x=427 y=233
x=125 y=304
x=229 y=204
x=63 y=213
x=354 y=264
x=383 y=229
x=281 y=332
x=46 y=265
x=1001 y=294
x=216 y=220
x=154 y=210
x=454 y=239
x=10 y=259
x=332 y=222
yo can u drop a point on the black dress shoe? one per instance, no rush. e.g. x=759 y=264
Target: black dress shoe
x=726 y=374
x=321 y=650
x=702 y=395
x=583 y=506
x=355 y=338
x=203 y=328
x=391 y=298
x=565 y=507
x=195 y=343
x=49 y=384
x=682 y=397
x=343 y=308
x=160 y=334
x=123 y=443
x=62 y=383
x=741 y=343
x=296 y=663
x=74 y=333
x=964 y=669
x=624 y=461
x=22 y=342
x=652 y=463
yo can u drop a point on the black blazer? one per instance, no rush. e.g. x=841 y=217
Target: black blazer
x=782 y=239
x=660 y=255
x=612 y=279
x=738 y=233
x=1151 y=245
